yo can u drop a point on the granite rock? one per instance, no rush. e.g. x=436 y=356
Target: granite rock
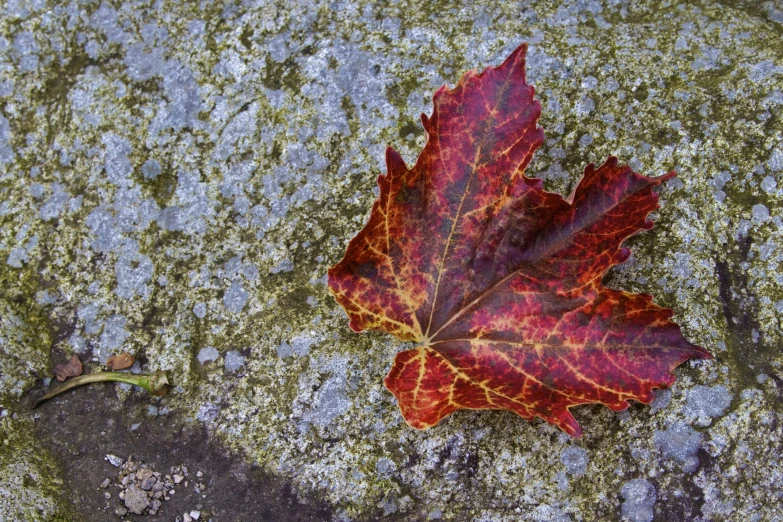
x=175 y=179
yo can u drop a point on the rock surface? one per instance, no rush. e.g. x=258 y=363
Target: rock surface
x=176 y=178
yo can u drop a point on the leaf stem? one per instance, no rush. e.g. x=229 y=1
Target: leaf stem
x=155 y=383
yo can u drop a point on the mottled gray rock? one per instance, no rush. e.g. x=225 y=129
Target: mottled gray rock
x=705 y=402
x=234 y=361
x=136 y=499
x=575 y=460
x=680 y=443
x=640 y=498
x=175 y=182
x=208 y=354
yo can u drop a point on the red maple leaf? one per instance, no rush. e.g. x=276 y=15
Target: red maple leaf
x=499 y=281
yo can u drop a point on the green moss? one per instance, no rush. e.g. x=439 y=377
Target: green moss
x=26 y=328
x=283 y=74
x=31 y=475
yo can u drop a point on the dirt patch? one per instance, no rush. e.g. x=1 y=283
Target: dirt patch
x=81 y=427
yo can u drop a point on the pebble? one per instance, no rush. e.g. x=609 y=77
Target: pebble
x=143 y=490
x=114 y=460
x=136 y=500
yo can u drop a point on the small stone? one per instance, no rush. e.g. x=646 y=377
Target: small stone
x=106 y=495
x=185 y=470
x=177 y=479
x=148 y=483
x=186 y=518
x=199 y=474
x=144 y=473
x=154 y=507
x=136 y=500
x=195 y=514
x=120 y=511
x=158 y=486
x=157 y=494
x=105 y=484
x=114 y=460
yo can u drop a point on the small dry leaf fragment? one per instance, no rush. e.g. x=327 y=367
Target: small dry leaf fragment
x=121 y=361
x=72 y=368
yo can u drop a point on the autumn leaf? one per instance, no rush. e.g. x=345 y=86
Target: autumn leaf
x=121 y=361
x=72 y=368
x=500 y=282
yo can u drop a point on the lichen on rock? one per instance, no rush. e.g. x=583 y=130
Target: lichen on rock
x=174 y=183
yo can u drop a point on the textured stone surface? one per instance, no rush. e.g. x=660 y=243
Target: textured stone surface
x=177 y=177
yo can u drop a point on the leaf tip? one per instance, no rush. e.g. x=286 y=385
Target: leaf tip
x=425 y=121
x=516 y=55
x=394 y=162
x=566 y=422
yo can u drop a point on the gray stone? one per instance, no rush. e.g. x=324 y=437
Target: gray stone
x=136 y=500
